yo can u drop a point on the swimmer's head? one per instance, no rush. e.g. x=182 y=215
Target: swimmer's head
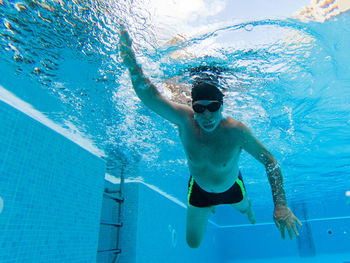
x=206 y=91
x=207 y=102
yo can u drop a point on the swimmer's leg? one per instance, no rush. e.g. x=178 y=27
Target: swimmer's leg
x=197 y=219
x=245 y=207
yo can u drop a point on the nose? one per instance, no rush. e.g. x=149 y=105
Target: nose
x=206 y=113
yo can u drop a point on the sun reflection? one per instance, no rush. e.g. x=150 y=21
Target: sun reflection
x=322 y=10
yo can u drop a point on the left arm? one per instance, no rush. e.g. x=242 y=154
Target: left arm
x=282 y=215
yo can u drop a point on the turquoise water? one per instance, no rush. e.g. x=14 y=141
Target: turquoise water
x=287 y=80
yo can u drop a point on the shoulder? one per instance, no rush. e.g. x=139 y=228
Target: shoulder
x=235 y=125
x=187 y=115
x=237 y=130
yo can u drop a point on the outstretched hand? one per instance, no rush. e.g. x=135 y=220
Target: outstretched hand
x=284 y=218
x=126 y=52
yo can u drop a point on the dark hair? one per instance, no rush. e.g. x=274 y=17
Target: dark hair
x=202 y=90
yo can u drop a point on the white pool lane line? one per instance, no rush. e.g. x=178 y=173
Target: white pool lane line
x=183 y=205
x=272 y=223
x=71 y=134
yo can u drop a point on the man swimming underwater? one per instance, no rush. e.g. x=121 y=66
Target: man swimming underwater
x=212 y=145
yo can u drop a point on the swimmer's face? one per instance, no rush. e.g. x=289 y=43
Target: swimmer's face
x=208 y=114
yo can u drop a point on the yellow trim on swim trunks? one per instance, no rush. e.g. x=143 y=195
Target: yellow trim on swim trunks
x=190 y=190
x=240 y=183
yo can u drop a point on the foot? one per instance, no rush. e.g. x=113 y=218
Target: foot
x=251 y=216
x=250 y=213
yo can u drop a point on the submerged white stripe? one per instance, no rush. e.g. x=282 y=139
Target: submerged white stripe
x=76 y=137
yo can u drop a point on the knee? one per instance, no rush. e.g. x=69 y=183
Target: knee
x=193 y=242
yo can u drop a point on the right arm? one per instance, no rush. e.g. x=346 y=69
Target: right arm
x=145 y=90
x=283 y=216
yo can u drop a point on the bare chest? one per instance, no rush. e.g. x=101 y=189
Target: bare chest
x=217 y=151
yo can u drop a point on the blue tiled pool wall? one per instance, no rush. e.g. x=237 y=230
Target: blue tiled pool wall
x=154 y=230
x=319 y=237
x=108 y=236
x=51 y=191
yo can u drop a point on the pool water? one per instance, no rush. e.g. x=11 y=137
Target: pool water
x=285 y=78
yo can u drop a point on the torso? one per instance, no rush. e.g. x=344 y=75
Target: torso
x=212 y=157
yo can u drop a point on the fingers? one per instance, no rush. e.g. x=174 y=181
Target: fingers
x=126 y=52
x=124 y=36
x=290 y=232
x=282 y=229
x=295 y=229
x=290 y=229
x=292 y=226
x=296 y=219
x=289 y=224
x=277 y=223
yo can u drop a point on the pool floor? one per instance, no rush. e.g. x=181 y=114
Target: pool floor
x=321 y=258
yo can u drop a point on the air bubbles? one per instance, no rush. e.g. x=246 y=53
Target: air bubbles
x=249 y=27
x=173 y=235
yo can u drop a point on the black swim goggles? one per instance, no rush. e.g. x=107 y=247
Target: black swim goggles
x=212 y=107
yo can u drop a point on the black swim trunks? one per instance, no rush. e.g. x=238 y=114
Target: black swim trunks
x=200 y=198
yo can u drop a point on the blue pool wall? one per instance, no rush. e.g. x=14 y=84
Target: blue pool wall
x=108 y=235
x=320 y=237
x=154 y=230
x=51 y=190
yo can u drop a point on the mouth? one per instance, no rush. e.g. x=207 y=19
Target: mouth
x=209 y=125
